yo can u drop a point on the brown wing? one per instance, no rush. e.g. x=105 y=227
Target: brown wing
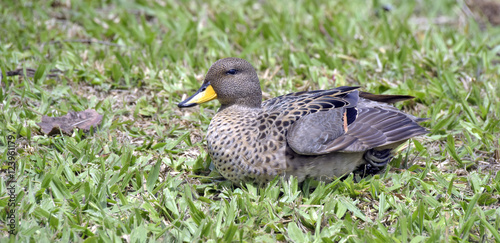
x=282 y=112
x=376 y=124
x=313 y=101
x=313 y=134
x=376 y=127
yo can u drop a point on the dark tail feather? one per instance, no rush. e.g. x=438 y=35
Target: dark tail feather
x=385 y=98
x=421 y=119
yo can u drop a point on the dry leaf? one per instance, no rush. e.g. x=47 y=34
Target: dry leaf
x=488 y=8
x=65 y=124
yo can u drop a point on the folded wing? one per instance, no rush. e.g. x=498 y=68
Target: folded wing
x=374 y=124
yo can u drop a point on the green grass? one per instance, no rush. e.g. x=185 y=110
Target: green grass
x=145 y=174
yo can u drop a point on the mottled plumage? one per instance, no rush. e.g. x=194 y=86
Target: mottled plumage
x=320 y=134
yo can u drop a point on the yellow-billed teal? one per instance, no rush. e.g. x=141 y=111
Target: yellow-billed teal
x=319 y=134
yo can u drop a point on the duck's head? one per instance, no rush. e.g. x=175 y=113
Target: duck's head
x=233 y=81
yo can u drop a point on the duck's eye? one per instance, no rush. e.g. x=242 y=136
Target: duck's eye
x=232 y=71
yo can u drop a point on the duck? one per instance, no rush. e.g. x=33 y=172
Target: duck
x=319 y=134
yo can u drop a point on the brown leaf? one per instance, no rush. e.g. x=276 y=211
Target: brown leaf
x=487 y=8
x=65 y=124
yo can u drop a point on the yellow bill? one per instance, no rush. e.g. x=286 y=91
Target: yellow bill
x=204 y=94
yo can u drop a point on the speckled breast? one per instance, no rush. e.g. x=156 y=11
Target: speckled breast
x=243 y=148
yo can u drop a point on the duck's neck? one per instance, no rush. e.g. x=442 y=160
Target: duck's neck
x=239 y=108
x=243 y=104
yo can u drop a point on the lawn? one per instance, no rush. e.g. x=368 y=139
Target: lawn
x=145 y=174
